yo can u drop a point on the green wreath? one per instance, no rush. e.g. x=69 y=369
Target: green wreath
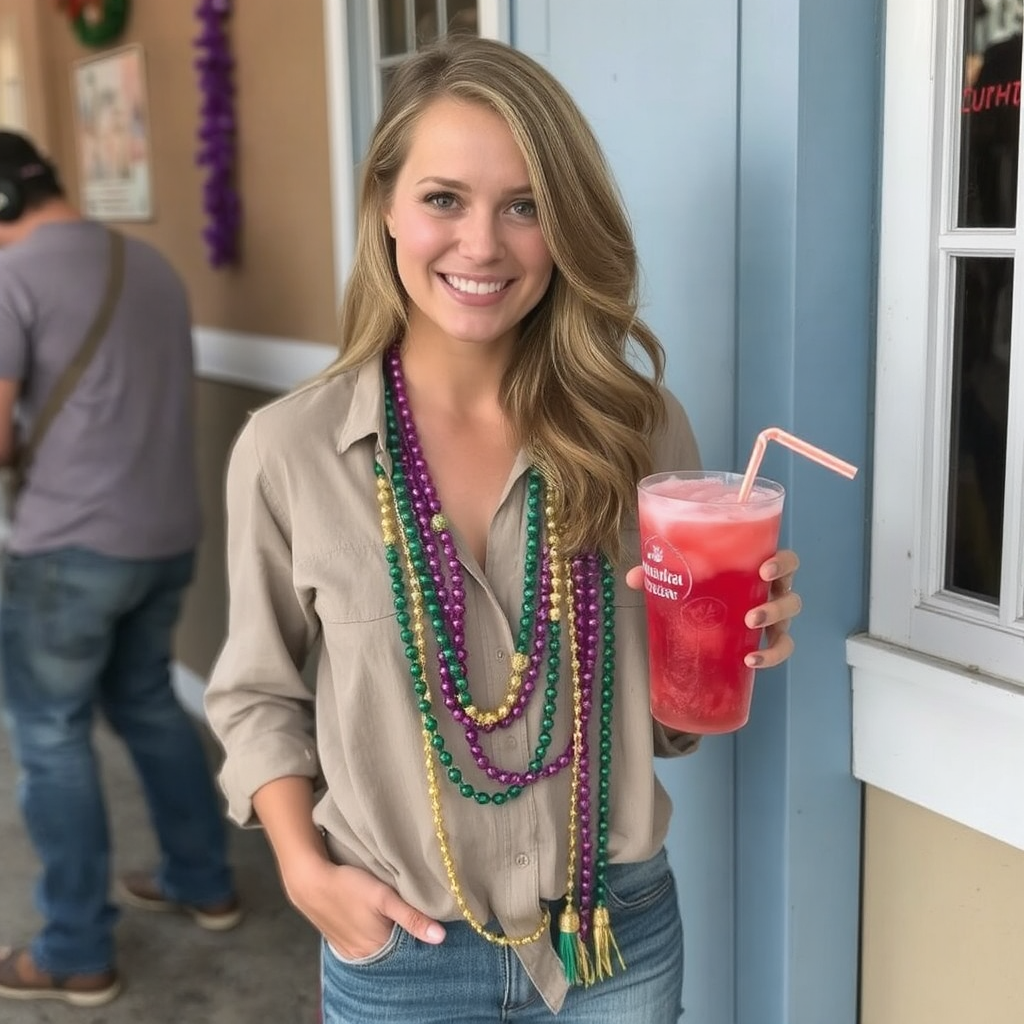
x=93 y=31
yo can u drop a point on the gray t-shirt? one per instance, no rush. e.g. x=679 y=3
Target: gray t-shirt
x=116 y=470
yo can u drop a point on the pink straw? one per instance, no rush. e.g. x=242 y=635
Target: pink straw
x=818 y=455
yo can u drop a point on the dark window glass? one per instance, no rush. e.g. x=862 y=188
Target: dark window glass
x=392 y=27
x=990 y=115
x=426 y=21
x=462 y=17
x=979 y=404
x=386 y=77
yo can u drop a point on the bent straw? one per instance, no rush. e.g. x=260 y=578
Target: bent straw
x=818 y=455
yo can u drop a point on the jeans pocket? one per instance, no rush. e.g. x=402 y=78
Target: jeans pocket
x=636 y=886
x=389 y=949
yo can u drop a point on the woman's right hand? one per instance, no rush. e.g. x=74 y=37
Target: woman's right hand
x=354 y=911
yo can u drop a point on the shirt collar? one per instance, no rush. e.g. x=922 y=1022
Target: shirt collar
x=367 y=418
x=366 y=415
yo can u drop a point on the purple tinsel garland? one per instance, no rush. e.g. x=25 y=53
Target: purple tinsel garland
x=217 y=132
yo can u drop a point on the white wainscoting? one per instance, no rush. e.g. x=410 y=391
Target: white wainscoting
x=256 y=360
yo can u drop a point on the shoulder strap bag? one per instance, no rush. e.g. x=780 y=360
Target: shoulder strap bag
x=70 y=377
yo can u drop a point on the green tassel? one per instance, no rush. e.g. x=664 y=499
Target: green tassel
x=568 y=934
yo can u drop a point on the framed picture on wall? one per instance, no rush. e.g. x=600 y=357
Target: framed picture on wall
x=112 y=135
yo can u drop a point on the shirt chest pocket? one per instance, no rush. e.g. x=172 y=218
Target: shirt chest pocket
x=353 y=585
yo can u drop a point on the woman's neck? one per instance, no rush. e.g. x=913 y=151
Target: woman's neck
x=460 y=378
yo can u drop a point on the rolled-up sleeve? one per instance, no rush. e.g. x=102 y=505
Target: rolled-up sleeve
x=257 y=703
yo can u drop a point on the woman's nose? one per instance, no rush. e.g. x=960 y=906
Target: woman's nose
x=481 y=237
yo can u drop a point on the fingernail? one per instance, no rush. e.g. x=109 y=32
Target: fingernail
x=756 y=619
x=753 y=661
x=435 y=933
x=772 y=568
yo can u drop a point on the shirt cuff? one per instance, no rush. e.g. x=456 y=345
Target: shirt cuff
x=273 y=756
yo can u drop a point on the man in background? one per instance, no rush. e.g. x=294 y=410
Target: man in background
x=99 y=555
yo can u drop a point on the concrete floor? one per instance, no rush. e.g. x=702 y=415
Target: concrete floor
x=173 y=972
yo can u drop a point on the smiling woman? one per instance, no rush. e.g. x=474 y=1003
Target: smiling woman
x=483 y=431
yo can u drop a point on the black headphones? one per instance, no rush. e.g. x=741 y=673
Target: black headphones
x=12 y=192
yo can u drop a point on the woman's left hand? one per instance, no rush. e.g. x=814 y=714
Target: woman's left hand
x=777 y=612
x=774 y=615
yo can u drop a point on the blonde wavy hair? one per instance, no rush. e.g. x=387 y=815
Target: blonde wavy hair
x=582 y=412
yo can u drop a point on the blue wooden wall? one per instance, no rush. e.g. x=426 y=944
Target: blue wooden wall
x=744 y=137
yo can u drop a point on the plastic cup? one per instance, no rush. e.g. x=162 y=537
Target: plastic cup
x=701 y=552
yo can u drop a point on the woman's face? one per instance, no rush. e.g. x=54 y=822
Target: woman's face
x=468 y=243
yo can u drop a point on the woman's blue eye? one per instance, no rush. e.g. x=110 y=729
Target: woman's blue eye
x=441 y=200
x=524 y=208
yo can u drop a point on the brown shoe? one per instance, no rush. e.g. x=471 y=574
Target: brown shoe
x=140 y=889
x=21 y=979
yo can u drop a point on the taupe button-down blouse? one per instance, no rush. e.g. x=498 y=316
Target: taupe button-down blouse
x=308 y=578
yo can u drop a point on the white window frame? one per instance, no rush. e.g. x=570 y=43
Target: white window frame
x=494 y=23
x=938 y=698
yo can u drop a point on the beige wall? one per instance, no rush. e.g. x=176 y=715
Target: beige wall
x=943 y=912
x=284 y=284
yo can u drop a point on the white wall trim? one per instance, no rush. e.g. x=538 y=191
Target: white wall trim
x=189 y=688
x=495 y=21
x=339 y=134
x=939 y=736
x=258 y=361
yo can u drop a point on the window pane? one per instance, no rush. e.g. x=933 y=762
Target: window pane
x=426 y=21
x=462 y=16
x=392 y=27
x=980 y=401
x=990 y=115
x=387 y=75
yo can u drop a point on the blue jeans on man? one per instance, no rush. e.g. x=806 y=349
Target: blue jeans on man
x=82 y=633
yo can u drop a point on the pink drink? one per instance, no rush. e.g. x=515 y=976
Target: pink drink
x=701 y=555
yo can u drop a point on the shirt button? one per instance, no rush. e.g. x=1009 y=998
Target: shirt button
x=523 y=860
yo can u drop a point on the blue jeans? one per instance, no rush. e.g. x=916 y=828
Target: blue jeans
x=466 y=980
x=81 y=633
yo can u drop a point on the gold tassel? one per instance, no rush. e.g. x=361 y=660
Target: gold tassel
x=584 y=968
x=604 y=943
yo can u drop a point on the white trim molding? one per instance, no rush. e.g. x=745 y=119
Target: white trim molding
x=339 y=133
x=939 y=736
x=495 y=21
x=258 y=361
